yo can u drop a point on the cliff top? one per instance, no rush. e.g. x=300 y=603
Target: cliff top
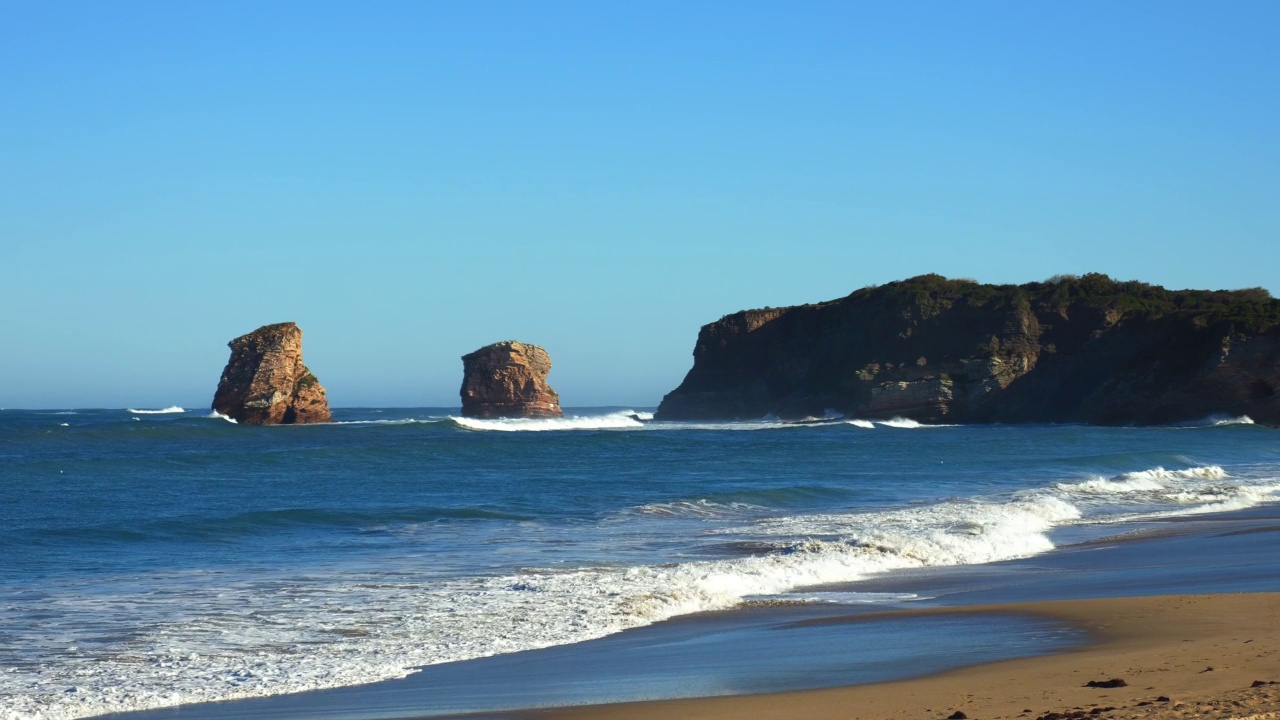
x=270 y=331
x=513 y=345
x=1250 y=309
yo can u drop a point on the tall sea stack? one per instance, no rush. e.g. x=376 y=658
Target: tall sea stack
x=508 y=379
x=1071 y=349
x=265 y=382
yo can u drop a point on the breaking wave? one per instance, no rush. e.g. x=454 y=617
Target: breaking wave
x=1219 y=421
x=163 y=411
x=895 y=422
x=406 y=621
x=401 y=421
x=215 y=415
x=1154 y=480
x=901 y=422
x=622 y=420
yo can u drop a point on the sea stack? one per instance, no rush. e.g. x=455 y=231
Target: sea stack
x=265 y=382
x=508 y=380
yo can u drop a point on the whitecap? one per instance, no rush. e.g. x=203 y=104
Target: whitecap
x=907 y=423
x=401 y=421
x=163 y=411
x=1103 y=485
x=1207 y=472
x=623 y=420
x=224 y=641
x=1219 y=420
x=705 y=509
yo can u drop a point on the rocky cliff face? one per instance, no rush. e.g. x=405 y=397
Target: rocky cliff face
x=265 y=382
x=508 y=379
x=1085 y=349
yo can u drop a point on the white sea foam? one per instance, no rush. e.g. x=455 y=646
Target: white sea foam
x=1224 y=499
x=733 y=425
x=276 y=635
x=219 y=416
x=263 y=635
x=1208 y=472
x=1160 y=493
x=632 y=420
x=613 y=421
x=862 y=424
x=852 y=598
x=1220 y=420
x=1153 y=486
x=1103 y=485
x=697 y=509
x=163 y=411
x=908 y=423
x=900 y=422
x=401 y=421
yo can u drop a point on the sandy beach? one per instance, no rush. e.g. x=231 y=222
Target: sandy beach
x=1180 y=656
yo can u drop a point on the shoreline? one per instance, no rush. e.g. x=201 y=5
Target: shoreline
x=1212 y=574
x=1161 y=646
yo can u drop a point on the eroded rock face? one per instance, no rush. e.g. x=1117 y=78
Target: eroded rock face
x=508 y=379
x=1087 y=349
x=265 y=382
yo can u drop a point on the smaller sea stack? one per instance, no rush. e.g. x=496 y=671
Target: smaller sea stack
x=508 y=380
x=265 y=382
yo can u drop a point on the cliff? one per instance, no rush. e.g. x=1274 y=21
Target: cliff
x=508 y=379
x=265 y=382
x=1071 y=349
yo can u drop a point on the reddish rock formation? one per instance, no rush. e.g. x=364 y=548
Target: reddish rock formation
x=1071 y=349
x=265 y=382
x=508 y=379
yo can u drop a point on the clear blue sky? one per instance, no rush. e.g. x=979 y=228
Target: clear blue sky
x=411 y=180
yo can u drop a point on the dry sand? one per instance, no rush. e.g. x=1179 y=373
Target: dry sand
x=1182 y=656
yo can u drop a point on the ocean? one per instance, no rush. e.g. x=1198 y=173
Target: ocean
x=155 y=557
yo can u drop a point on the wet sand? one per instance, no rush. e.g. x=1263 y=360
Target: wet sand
x=1155 y=607
x=1180 y=656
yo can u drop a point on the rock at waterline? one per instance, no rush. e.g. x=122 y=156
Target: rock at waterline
x=508 y=380
x=265 y=382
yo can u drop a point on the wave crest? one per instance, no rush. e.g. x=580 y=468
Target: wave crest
x=625 y=419
x=1219 y=420
x=163 y=411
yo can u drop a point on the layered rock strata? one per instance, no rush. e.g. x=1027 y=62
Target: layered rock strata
x=1071 y=349
x=265 y=382
x=508 y=379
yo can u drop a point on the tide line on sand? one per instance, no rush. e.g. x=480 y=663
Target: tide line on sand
x=1179 y=656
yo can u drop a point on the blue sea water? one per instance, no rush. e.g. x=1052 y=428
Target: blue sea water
x=155 y=558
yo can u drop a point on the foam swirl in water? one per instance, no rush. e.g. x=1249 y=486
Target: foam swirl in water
x=275 y=632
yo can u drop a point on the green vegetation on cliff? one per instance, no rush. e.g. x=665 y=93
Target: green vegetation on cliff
x=1252 y=309
x=1068 y=349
